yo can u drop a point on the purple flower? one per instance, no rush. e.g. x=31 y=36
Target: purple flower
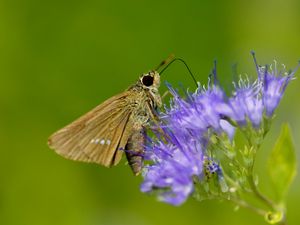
x=199 y=112
x=176 y=162
x=246 y=103
x=274 y=85
x=174 y=165
x=211 y=167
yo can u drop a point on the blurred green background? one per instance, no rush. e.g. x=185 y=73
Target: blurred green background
x=59 y=59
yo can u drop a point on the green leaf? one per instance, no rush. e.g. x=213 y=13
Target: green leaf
x=282 y=163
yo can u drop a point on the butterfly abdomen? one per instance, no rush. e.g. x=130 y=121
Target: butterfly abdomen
x=135 y=149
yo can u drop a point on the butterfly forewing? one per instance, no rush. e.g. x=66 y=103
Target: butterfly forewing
x=98 y=136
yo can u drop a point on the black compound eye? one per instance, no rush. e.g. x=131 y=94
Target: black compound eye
x=147 y=80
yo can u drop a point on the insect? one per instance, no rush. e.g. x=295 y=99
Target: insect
x=117 y=125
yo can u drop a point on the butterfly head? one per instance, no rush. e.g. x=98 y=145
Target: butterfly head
x=150 y=80
x=150 y=83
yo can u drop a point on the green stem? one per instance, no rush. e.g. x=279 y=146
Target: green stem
x=255 y=141
x=259 y=195
x=264 y=199
x=244 y=204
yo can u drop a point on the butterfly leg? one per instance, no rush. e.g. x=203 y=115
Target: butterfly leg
x=165 y=94
x=158 y=123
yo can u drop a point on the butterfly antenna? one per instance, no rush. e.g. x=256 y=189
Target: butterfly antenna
x=181 y=60
x=165 y=62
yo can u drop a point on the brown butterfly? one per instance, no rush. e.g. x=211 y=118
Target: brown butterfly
x=115 y=126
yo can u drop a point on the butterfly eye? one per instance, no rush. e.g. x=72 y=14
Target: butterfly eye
x=147 y=80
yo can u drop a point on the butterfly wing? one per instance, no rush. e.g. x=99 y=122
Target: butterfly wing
x=97 y=136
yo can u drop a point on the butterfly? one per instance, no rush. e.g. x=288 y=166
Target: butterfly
x=115 y=126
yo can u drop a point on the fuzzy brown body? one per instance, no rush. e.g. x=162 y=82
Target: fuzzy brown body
x=135 y=149
x=118 y=124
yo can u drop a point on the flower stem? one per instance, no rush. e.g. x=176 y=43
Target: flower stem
x=259 y=195
x=274 y=208
x=244 y=204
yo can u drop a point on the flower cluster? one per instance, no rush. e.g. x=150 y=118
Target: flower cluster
x=178 y=158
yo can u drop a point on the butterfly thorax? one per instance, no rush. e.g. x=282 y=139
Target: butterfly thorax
x=145 y=97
